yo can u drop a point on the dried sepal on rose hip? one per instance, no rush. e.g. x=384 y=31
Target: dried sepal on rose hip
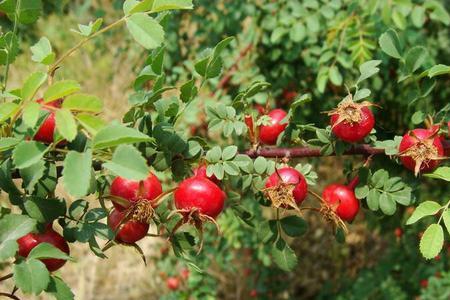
x=421 y=150
x=352 y=121
x=342 y=200
x=286 y=188
x=135 y=203
x=127 y=229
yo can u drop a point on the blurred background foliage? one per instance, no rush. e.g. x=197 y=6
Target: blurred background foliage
x=299 y=46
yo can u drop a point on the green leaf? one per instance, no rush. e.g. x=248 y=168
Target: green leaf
x=361 y=192
x=294 y=226
x=32 y=175
x=229 y=152
x=379 y=178
x=31 y=113
x=83 y=102
x=373 y=200
x=114 y=135
x=92 y=124
x=418 y=16
x=91 y=28
x=442 y=173
x=260 y=165
x=7 y=110
x=335 y=76
x=390 y=43
x=46 y=250
x=128 y=162
x=9 y=48
x=231 y=168
x=31 y=276
x=28 y=153
x=45 y=210
x=13 y=227
x=8 y=143
x=77 y=173
x=214 y=154
x=59 y=289
x=61 y=89
x=438 y=70
x=361 y=94
x=65 y=124
x=432 y=241
x=387 y=204
x=145 y=30
x=446 y=219
x=29 y=11
x=424 y=209
x=42 y=52
x=161 y=5
x=297 y=32
x=32 y=84
x=368 y=69
x=188 y=91
x=415 y=57
x=129 y=5
x=284 y=256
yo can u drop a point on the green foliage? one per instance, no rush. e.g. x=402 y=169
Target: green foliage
x=254 y=52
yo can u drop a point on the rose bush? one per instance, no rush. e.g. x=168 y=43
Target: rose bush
x=227 y=127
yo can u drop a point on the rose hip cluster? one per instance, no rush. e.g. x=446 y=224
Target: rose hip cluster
x=198 y=194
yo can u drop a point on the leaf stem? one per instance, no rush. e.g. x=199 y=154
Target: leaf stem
x=16 y=17
x=55 y=65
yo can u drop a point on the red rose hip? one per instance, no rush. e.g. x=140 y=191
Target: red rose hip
x=130 y=231
x=290 y=175
x=173 y=283
x=268 y=134
x=46 y=131
x=134 y=191
x=343 y=201
x=421 y=150
x=31 y=240
x=352 y=122
x=199 y=193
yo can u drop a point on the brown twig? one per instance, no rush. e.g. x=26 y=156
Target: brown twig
x=270 y=152
x=6 y=277
x=227 y=77
x=9 y=296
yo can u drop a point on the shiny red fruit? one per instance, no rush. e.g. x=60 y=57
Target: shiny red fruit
x=343 y=200
x=173 y=283
x=201 y=194
x=419 y=149
x=290 y=175
x=134 y=191
x=31 y=240
x=201 y=172
x=130 y=232
x=353 y=132
x=46 y=132
x=268 y=134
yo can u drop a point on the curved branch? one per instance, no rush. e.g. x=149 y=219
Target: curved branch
x=363 y=149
